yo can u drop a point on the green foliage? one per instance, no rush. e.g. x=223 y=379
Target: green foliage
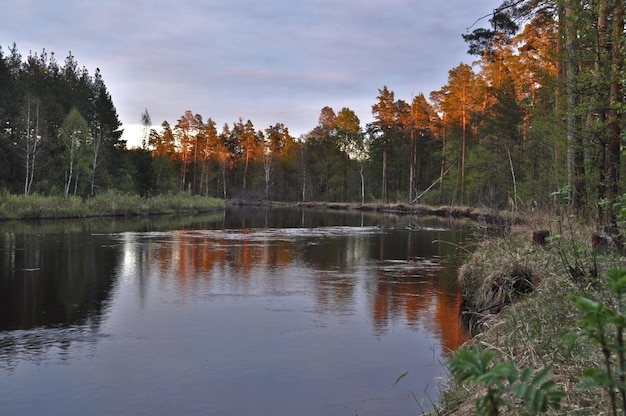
x=577 y=258
x=109 y=203
x=503 y=382
x=498 y=137
x=620 y=210
x=52 y=114
x=603 y=323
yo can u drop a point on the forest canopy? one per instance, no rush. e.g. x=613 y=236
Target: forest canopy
x=540 y=109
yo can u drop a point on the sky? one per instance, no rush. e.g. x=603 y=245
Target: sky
x=268 y=61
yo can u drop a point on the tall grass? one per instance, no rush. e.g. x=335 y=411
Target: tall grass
x=534 y=330
x=111 y=203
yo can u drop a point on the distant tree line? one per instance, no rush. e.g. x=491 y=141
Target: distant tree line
x=540 y=110
x=60 y=133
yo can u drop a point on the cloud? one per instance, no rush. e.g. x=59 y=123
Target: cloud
x=267 y=61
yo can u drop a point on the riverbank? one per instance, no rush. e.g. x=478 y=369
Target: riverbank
x=481 y=215
x=518 y=297
x=111 y=203
x=114 y=203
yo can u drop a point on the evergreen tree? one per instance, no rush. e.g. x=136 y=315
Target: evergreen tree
x=384 y=112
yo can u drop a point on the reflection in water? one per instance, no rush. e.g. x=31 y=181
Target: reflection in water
x=59 y=280
x=341 y=264
x=273 y=311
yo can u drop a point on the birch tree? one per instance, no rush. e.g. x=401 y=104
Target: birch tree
x=31 y=143
x=146 y=124
x=275 y=143
x=73 y=133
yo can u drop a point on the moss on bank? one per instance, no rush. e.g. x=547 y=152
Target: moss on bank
x=111 y=203
x=532 y=327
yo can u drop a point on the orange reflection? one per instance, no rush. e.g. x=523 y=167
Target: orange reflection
x=412 y=295
x=419 y=299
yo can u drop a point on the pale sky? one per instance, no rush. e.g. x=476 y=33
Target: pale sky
x=269 y=61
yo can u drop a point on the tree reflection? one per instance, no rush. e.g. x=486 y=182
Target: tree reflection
x=59 y=280
x=401 y=273
x=56 y=283
x=53 y=291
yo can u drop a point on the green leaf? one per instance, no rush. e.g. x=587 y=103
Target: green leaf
x=594 y=377
x=537 y=394
x=525 y=376
x=468 y=365
x=497 y=375
x=541 y=376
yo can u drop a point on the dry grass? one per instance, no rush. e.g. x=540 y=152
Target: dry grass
x=534 y=330
x=484 y=216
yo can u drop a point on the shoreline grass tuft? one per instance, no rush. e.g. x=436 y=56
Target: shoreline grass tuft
x=535 y=330
x=110 y=203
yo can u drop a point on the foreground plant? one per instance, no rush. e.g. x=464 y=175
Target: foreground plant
x=603 y=323
x=577 y=259
x=504 y=382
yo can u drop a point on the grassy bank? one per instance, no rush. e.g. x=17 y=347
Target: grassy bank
x=479 y=214
x=519 y=299
x=111 y=203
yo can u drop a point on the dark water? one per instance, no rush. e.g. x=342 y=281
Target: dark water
x=243 y=312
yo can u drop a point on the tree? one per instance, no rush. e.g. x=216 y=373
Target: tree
x=587 y=63
x=484 y=42
x=105 y=134
x=31 y=146
x=325 y=159
x=209 y=142
x=185 y=131
x=384 y=112
x=352 y=141
x=575 y=156
x=617 y=56
x=73 y=132
x=96 y=139
x=456 y=100
x=418 y=120
x=498 y=149
x=276 y=144
x=32 y=82
x=146 y=125
x=223 y=155
x=249 y=143
x=163 y=158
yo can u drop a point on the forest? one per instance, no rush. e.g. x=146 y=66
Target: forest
x=538 y=110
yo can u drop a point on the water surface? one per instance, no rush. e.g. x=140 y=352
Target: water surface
x=265 y=312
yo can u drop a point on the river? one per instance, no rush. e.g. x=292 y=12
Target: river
x=241 y=312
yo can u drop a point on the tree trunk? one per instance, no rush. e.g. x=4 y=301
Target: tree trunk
x=384 y=191
x=32 y=140
x=575 y=157
x=267 y=166
x=464 y=144
x=97 y=141
x=508 y=152
x=443 y=163
x=303 y=172
x=617 y=35
x=245 y=172
x=70 y=170
x=412 y=169
x=362 y=182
